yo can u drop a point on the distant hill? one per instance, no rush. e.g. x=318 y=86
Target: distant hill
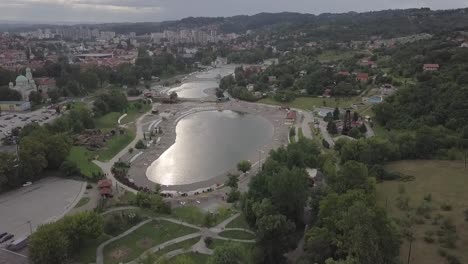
x=346 y=26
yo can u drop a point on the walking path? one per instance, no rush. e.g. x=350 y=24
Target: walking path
x=107 y=166
x=199 y=247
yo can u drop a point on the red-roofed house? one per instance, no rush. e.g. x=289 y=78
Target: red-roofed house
x=106 y=183
x=291 y=116
x=105 y=188
x=431 y=67
x=362 y=77
x=45 y=85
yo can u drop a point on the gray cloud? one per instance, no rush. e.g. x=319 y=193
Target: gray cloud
x=159 y=10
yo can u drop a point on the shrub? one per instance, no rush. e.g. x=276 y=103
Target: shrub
x=446 y=207
x=140 y=145
x=130 y=150
x=429 y=236
x=69 y=168
x=428 y=197
x=233 y=196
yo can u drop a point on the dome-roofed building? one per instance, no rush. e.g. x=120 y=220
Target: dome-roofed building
x=24 y=84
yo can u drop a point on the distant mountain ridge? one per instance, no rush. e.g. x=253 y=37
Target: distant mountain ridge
x=387 y=22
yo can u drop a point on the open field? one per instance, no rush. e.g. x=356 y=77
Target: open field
x=196 y=258
x=107 y=121
x=238 y=222
x=133 y=113
x=145 y=237
x=115 y=145
x=237 y=234
x=331 y=55
x=83 y=159
x=87 y=253
x=308 y=103
x=194 y=215
x=447 y=184
x=82 y=201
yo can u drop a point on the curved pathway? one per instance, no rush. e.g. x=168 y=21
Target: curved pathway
x=107 y=166
x=199 y=247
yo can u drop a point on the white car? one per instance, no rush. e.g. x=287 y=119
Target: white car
x=27 y=184
x=198 y=202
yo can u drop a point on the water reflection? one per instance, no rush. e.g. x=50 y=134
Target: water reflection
x=194 y=89
x=208 y=144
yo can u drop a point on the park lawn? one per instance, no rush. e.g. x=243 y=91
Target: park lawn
x=237 y=234
x=238 y=222
x=216 y=243
x=82 y=201
x=447 y=182
x=300 y=133
x=149 y=235
x=115 y=145
x=108 y=120
x=87 y=252
x=133 y=113
x=83 y=159
x=309 y=103
x=194 y=258
x=189 y=214
x=195 y=216
x=186 y=244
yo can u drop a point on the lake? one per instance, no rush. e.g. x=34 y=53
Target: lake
x=194 y=89
x=208 y=144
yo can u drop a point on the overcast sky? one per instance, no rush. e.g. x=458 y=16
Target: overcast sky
x=160 y=10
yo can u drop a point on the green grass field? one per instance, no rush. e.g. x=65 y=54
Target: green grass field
x=192 y=258
x=187 y=244
x=238 y=222
x=107 y=121
x=134 y=113
x=194 y=215
x=82 y=201
x=447 y=183
x=332 y=55
x=115 y=145
x=308 y=103
x=133 y=245
x=235 y=234
x=87 y=252
x=82 y=157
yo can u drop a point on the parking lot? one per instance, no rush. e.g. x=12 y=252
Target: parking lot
x=24 y=209
x=10 y=120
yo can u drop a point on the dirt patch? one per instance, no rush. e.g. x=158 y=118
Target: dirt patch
x=120 y=253
x=145 y=242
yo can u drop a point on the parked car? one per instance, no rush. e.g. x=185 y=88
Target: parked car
x=18 y=244
x=6 y=238
x=3 y=234
x=27 y=184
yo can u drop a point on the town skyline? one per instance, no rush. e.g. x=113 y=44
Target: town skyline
x=108 y=11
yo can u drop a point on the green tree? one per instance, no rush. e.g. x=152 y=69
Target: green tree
x=35 y=98
x=48 y=245
x=231 y=254
x=331 y=127
x=244 y=166
x=273 y=234
x=80 y=227
x=89 y=80
x=336 y=114
x=355 y=133
x=232 y=181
